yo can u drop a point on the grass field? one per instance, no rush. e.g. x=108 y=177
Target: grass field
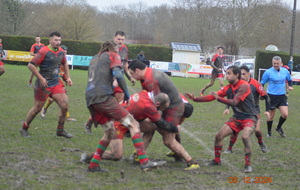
x=45 y=161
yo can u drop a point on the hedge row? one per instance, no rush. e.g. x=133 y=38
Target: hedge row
x=23 y=43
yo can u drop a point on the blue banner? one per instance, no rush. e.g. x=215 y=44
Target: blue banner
x=81 y=60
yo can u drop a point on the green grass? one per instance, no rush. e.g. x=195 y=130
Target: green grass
x=45 y=161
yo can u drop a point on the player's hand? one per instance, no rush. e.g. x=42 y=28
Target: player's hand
x=132 y=80
x=69 y=82
x=43 y=82
x=267 y=114
x=226 y=112
x=290 y=88
x=219 y=69
x=189 y=96
x=214 y=94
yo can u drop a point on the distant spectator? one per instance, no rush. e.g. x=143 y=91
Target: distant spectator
x=208 y=62
x=1 y=49
x=141 y=56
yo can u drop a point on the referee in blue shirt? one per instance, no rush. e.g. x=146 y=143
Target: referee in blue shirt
x=277 y=77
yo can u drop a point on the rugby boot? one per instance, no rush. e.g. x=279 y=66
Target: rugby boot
x=263 y=147
x=71 y=119
x=247 y=169
x=152 y=165
x=86 y=158
x=192 y=166
x=97 y=169
x=24 y=132
x=281 y=132
x=88 y=128
x=213 y=163
x=228 y=151
x=64 y=134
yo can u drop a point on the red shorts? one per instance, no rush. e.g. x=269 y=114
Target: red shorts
x=1 y=63
x=108 y=110
x=41 y=94
x=173 y=115
x=220 y=75
x=239 y=124
x=118 y=90
x=120 y=130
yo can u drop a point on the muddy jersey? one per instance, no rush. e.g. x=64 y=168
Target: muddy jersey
x=246 y=108
x=218 y=62
x=257 y=90
x=157 y=82
x=100 y=77
x=49 y=62
x=123 y=52
x=35 y=47
x=142 y=106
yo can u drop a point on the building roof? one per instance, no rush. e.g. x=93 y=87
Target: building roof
x=185 y=47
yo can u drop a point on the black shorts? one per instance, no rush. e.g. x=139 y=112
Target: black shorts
x=277 y=101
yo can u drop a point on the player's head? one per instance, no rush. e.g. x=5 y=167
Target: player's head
x=55 y=40
x=277 y=62
x=162 y=101
x=188 y=110
x=108 y=46
x=0 y=40
x=245 y=73
x=136 y=69
x=119 y=38
x=37 y=39
x=220 y=50
x=233 y=74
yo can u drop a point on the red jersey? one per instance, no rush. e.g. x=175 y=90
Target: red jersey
x=257 y=90
x=1 y=63
x=36 y=47
x=49 y=62
x=157 y=81
x=142 y=106
x=218 y=60
x=246 y=108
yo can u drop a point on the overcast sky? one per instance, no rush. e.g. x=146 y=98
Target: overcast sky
x=101 y=4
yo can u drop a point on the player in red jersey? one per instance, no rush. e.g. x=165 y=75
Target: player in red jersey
x=217 y=72
x=33 y=51
x=257 y=91
x=2 y=69
x=144 y=107
x=157 y=81
x=119 y=39
x=104 y=109
x=241 y=100
x=62 y=79
x=49 y=59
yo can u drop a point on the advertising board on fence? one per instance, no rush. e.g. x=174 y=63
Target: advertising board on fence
x=22 y=56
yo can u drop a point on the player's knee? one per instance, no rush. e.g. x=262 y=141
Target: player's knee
x=130 y=122
x=218 y=137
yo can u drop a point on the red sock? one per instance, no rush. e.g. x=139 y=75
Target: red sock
x=232 y=142
x=139 y=147
x=25 y=126
x=247 y=159
x=218 y=150
x=60 y=128
x=99 y=152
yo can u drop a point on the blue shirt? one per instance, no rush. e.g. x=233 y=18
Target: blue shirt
x=277 y=80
